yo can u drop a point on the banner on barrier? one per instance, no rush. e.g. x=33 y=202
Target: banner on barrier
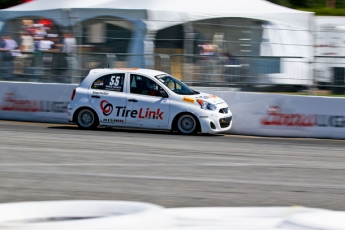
x=253 y=113
x=286 y=115
x=34 y=102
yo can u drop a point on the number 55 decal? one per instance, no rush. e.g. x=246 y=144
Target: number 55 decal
x=115 y=81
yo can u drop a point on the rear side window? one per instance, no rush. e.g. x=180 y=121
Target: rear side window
x=111 y=82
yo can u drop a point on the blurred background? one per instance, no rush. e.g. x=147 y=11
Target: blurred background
x=257 y=45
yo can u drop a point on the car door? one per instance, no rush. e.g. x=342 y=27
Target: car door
x=108 y=98
x=147 y=107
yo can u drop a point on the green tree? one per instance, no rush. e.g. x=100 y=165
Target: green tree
x=339 y=4
x=282 y=2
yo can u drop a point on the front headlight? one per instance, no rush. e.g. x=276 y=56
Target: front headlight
x=206 y=105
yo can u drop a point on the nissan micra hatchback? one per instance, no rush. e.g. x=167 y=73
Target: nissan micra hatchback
x=143 y=98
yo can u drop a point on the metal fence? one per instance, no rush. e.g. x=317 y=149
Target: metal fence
x=197 y=70
x=255 y=73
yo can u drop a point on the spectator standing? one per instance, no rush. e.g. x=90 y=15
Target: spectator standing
x=69 y=44
x=26 y=48
x=45 y=44
x=70 y=48
x=208 y=54
x=27 y=42
x=10 y=47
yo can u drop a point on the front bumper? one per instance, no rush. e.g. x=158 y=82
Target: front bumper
x=215 y=123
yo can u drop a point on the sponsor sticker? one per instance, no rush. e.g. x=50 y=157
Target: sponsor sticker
x=121 y=111
x=106 y=120
x=188 y=99
x=12 y=103
x=101 y=93
x=277 y=117
x=106 y=107
x=98 y=84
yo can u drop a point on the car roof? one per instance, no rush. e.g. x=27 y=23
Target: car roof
x=96 y=73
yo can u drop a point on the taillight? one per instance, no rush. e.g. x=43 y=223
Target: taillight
x=73 y=94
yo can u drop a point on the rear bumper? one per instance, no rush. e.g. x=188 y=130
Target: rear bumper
x=70 y=112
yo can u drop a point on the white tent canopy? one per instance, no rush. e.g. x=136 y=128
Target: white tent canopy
x=154 y=15
x=50 y=5
x=166 y=13
x=163 y=13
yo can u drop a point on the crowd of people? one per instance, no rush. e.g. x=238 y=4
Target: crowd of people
x=35 y=39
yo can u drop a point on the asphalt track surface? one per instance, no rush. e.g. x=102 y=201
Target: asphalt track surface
x=59 y=162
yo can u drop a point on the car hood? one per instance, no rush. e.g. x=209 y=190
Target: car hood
x=208 y=97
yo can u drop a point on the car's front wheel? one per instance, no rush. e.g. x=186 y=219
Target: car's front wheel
x=187 y=124
x=87 y=119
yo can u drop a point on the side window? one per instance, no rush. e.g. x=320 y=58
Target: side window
x=98 y=84
x=112 y=82
x=144 y=86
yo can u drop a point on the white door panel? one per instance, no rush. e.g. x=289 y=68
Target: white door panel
x=107 y=103
x=147 y=108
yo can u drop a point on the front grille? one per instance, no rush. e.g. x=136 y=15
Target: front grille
x=224 y=110
x=225 y=122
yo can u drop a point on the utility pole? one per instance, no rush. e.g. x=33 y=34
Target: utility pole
x=330 y=3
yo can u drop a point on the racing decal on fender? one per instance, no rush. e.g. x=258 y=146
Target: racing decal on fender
x=121 y=111
x=105 y=120
x=275 y=117
x=106 y=107
x=188 y=99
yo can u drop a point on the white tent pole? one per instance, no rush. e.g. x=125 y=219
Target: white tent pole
x=312 y=27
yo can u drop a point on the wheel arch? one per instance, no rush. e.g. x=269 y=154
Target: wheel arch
x=75 y=115
x=177 y=116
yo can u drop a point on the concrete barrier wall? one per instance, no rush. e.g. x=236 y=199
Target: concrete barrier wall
x=35 y=101
x=254 y=113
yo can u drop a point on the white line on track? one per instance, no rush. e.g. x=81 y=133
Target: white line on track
x=149 y=165
x=176 y=178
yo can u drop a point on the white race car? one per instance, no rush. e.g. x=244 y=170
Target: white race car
x=143 y=98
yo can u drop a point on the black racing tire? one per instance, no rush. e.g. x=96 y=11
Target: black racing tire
x=87 y=119
x=187 y=124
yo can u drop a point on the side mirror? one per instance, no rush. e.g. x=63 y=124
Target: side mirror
x=163 y=94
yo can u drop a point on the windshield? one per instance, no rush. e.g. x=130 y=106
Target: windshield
x=175 y=85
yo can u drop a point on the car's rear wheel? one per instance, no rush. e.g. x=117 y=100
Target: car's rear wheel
x=87 y=119
x=187 y=124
